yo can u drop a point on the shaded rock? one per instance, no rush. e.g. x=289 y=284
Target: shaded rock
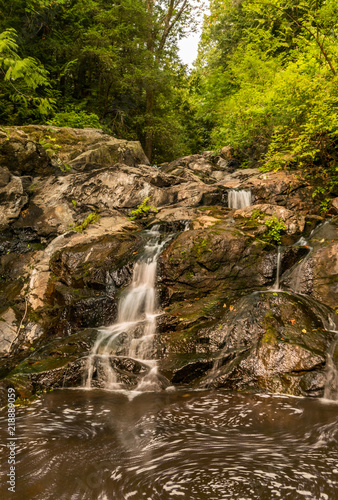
x=8 y=330
x=57 y=202
x=217 y=257
x=294 y=223
x=273 y=341
x=191 y=372
x=25 y=157
x=46 y=220
x=12 y=199
x=317 y=273
x=207 y=167
x=4 y=176
x=61 y=363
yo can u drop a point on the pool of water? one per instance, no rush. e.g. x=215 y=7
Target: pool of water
x=95 y=444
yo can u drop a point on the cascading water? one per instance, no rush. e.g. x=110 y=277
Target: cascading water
x=132 y=336
x=239 y=199
x=296 y=284
x=331 y=385
x=276 y=285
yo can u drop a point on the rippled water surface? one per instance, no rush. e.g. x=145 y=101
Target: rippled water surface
x=76 y=444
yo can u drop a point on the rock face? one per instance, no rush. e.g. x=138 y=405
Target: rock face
x=274 y=341
x=67 y=252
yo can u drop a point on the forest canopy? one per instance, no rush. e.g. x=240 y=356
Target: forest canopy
x=265 y=81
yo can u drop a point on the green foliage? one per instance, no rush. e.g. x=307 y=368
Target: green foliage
x=23 y=82
x=275 y=229
x=111 y=65
x=269 y=81
x=90 y=219
x=325 y=205
x=75 y=119
x=143 y=210
x=49 y=145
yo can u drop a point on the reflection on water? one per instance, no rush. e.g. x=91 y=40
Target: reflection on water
x=77 y=444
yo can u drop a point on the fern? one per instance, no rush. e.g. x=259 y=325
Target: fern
x=142 y=210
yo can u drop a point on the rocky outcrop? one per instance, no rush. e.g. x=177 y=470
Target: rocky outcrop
x=24 y=157
x=47 y=150
x=67 y=252
x=316 y=274
x=274 y=341
x=12 y=197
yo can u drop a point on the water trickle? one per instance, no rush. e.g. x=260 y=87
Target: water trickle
x=331 y=382
x=331 y=379
x=276 y=285
x=239 y=199
x=132 y=336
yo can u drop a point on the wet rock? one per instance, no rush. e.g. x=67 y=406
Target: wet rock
x=4 y=386
x=273 y=341
x=287 y=189
x=316 y=274
x=217 y=257
x=60 y=363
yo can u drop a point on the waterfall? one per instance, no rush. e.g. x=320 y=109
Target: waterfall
x=331 y=382
x=239 y=199
x=132 y=336
x=331 y=371
x=276 y=285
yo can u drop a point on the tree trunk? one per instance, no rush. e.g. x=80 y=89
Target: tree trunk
x=148 y=148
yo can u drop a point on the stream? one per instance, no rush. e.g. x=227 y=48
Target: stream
x=112 y=441
x=80 y=444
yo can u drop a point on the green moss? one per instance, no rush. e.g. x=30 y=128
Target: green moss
x=269 y=336
x=90 y=219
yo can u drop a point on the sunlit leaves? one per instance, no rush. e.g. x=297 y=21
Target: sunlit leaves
x=23 y=76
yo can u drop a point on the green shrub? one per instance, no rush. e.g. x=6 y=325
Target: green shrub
x=75 y=119
x=275 y=229
x=142 y=210
x=92 y=217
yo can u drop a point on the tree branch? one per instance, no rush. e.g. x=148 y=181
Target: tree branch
x=300 y=25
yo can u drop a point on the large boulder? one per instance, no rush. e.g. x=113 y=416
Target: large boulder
x=46 y=150
x=109 y=152
x=316 y=273
x=12 y=197
x=25 y=157
x=273 y=341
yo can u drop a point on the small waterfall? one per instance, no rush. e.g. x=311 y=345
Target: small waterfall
x=132 y=336
x=276 y=285
x=331 y=382
x=298 y=274
x=239 y=199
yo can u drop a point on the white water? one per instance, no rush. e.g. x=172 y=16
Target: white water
x=132 y=336
x=331 y=371
x=276 y=285
x=239 y=199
